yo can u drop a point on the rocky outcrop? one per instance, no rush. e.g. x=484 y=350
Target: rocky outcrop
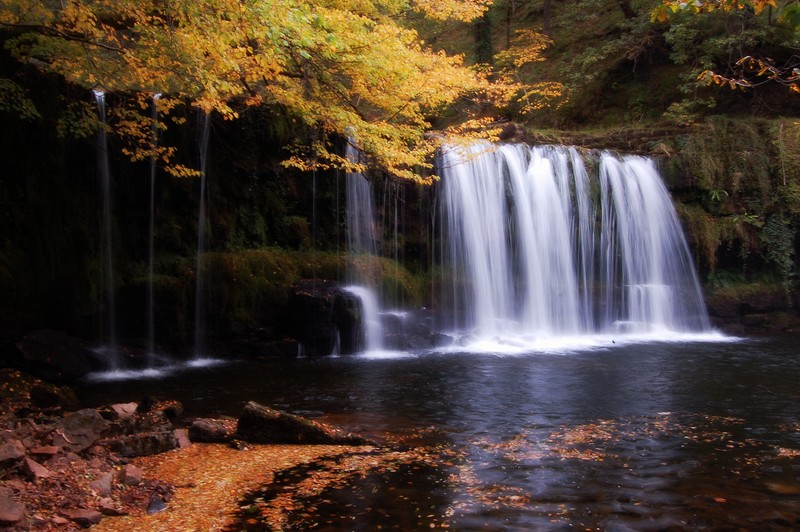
x=323 y=317
x=261 y=424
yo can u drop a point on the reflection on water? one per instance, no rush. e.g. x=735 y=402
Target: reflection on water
x=702 y=435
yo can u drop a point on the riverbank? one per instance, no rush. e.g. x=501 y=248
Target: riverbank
x=141 y=465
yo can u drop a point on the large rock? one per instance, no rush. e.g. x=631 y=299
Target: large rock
x=79 y=430
x=54 y=356
x=260 y=424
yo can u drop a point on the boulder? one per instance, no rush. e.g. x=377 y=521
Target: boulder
x=260 y=424
x=11 y=451
x=11 y=511
x=144 y=444
x=54 y=356
x=207 y=430
x=79 y=430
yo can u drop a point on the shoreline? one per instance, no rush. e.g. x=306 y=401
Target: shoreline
x=211 y=479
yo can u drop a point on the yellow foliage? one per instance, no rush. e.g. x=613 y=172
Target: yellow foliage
x=342 y=67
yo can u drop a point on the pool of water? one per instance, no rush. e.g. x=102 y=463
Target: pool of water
x=651 y=435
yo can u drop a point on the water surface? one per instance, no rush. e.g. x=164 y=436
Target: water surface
x=699 y=435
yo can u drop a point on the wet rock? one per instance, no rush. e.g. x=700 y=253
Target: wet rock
x=206 y=430
x=84 y=518
x=260 y=424
x=145 y=444
x=102 y=486
x=35 y=470
x=442 y=340
x=310 y=316
x=415 y=342
x=11 y=511
x=54 y=356
x=11 y=451
x=79 y=430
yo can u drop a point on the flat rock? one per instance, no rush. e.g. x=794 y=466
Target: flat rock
x=11 y=511
x=46 y=450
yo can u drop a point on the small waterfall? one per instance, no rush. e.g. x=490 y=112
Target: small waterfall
x=525 y=253
x=362 y=248
x=151 y=322
x=361 y=234
x=112 y=348
x=370 y=317
x=200 y=300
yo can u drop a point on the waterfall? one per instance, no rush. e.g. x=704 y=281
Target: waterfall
x=362 y=248
x=536 y=246
x=361 y=236
x=199 y=305
x=370 y=317
x=151 y=323
x=111 y=349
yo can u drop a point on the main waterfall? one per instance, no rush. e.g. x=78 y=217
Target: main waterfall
x=536 y=246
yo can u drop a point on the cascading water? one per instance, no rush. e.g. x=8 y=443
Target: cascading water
x=199 y=306
x=362 y=247
x=151 y=323
x=112 y=349
x=373 y=330
x=533 y=247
